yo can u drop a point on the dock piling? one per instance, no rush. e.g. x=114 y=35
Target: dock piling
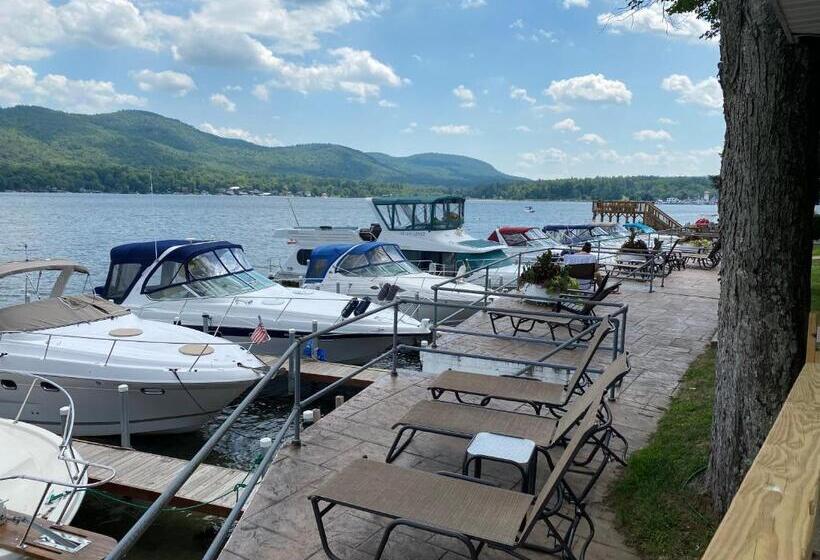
x=125 y=429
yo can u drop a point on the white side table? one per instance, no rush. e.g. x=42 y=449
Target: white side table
x=519 y=452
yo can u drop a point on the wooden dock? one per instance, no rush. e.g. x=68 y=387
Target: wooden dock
x=328 y=372
x=651 y=215
x=143 y=476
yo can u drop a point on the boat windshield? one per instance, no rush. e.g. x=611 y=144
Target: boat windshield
x=218 y=273
x=385 y=260
x=515 y=239
x=441 y=214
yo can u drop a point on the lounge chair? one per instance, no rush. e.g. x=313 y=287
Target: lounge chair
x=585 y=274
x=538 y=394
x=525 y=322
x=465 y=420
x=464 y=508
x=707 y=262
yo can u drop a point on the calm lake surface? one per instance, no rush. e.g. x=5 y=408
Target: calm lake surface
x=84 y=227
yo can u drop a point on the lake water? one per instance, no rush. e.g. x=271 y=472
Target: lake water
x=84 y=227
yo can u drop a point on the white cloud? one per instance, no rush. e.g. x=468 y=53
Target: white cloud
x=521 y=93
x=452 y=129
x=470 y=4
x=410 y=128
x=20 y=84
x=168 y=81
x=591 y=87
x=575 y=4
x=654 y=19
x=232 y=88
x=240 y=134
x=260 y=92
x=387 y=104
x=667 y=121
x=523 y=128
x=107 y=23
x=517 y=24
x=416 y=57
x=465 y=96
x=540 y=157
x=706 y=93
x=566 y=125
x=355 y=72
x=591 y=138
x=223 y=102
x=652 y=135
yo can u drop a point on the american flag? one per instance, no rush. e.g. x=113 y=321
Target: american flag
x=259 y=334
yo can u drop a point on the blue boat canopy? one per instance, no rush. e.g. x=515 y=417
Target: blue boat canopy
x=129 y=262
x=354 y=258
x=642 y=228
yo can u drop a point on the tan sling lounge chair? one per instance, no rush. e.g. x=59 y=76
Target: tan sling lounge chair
x=538 y=394
x=465 y=420
x=464 y=508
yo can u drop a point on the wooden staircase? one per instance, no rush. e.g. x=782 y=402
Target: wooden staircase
x=649 y=213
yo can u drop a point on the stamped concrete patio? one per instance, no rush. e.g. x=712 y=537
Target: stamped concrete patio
x=666 y=330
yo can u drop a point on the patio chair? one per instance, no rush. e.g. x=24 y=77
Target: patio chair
x=707 y=262
x=585 y=274
x=538 y=394
x=463 y=508
x=524 y=322
x=465 y=420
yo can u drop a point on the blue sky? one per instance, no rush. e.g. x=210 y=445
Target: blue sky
x=540 y=88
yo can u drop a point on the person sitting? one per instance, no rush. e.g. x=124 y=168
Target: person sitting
x=584 y=256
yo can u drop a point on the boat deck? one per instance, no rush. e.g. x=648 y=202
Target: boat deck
x=143 y=476
x=666 y=331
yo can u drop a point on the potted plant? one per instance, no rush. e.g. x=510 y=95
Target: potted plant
x=545 y=277
x=635 y=247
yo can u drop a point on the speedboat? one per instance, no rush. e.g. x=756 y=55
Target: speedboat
x=527 y=241
x=42 y=484
x=371 y=269
x=177 y=378
x=210 y=285
x=529 y=209
x=430 y=232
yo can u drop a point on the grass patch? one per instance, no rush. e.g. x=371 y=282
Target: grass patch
x=659 y=508
x=815 y=285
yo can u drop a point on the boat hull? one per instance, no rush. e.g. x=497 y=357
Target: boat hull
x=354 y=349
x=155 y=407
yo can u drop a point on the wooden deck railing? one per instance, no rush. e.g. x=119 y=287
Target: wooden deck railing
x=652 y=215
x=773 y=514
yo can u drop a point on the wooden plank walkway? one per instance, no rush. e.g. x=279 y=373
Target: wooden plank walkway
x=143 y=476
x=328 y=372
x=666 y=331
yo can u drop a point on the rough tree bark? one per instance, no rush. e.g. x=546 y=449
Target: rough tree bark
x=769 y=182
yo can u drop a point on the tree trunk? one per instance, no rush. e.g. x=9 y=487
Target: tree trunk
x=769 y=182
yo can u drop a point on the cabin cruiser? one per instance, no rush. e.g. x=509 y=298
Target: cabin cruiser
x=43 y=480
x=211 y=285
x=430 y=232
x=364 y=269
x=177 y=378
x=527 y=241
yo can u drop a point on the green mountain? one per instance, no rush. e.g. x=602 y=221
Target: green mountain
x=114 y=151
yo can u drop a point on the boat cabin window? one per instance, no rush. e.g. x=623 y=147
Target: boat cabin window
x=386 y=260
x=515 y=239
x=421 y=215
x=218 y=273
x=122 y=278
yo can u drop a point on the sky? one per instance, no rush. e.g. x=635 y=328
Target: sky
x=537 y=88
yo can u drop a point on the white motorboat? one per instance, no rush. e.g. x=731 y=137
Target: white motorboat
x=177 y=378
x=211 y=285
x=43 y=480
x=430 y=232
x=525 y=240
x=370 y=269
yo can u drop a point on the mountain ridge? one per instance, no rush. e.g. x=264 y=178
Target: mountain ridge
x=137 y=139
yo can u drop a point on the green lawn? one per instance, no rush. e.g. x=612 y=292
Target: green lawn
x=658 y=500
x=815 y=285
